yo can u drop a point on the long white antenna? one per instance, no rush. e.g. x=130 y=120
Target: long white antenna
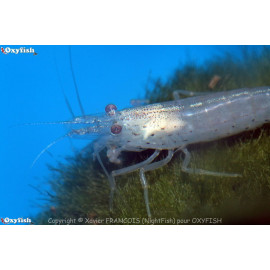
x=74 y=80
x=48 y=146
x=62 y=89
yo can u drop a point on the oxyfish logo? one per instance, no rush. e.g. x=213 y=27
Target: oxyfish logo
x=16 y=220
x=9 y=50
x=3 y=50
x=3 y=221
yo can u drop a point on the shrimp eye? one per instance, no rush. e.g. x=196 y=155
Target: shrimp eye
x=110 y=109
x=116 y=129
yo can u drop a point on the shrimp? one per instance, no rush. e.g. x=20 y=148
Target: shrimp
x=171 y=126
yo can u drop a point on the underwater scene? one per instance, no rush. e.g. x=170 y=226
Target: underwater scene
x=135 y=135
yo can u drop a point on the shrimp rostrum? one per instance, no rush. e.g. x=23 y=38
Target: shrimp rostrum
x=172 y=126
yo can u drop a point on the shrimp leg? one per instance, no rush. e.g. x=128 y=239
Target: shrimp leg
x=128 y=170
x=139 y=102
x=151 y=167
x=178 y=93
x=110 y=178
x=144 y=167
x=200 y=171
x=98 y=147
x=136 y=166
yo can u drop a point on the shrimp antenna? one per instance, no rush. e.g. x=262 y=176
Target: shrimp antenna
x=74 y=80
x=47 y=147
x=62 y=89
x=44 y=123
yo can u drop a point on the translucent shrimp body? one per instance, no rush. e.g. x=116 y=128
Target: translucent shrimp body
x=173 y=126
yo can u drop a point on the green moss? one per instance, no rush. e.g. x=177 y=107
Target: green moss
x=81 y=190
